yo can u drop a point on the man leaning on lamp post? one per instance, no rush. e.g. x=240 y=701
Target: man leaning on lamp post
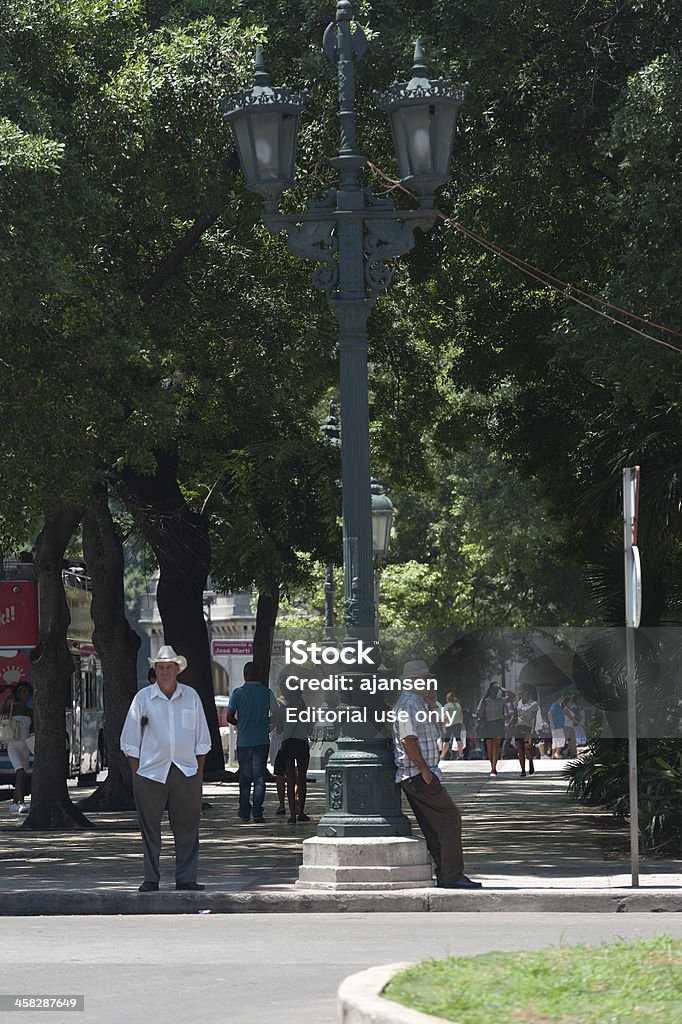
x=416 y=750
x=165 y=738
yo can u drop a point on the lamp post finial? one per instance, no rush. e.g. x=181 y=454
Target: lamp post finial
x=261 y=74
x=419 y=68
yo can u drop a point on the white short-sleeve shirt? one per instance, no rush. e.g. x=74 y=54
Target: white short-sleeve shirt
x=175 y=731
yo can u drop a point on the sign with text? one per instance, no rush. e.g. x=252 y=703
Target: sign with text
x=227 y=648
x=243 y=648
x=18 y=613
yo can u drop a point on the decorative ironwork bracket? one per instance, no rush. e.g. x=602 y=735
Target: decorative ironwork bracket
x=388 y=233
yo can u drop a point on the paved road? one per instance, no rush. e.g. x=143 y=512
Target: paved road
x=251 y=968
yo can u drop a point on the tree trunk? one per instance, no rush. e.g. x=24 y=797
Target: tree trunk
x=179 y=538
x=266 y=619
x=51 y=806
x=117 y=646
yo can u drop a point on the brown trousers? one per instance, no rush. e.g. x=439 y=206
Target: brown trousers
x=441 y=823
x=183 y=797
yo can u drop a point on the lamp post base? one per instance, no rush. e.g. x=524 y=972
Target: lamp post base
x=362 y=796
x=365 y=864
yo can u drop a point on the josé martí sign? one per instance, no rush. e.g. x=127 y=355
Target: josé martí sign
x=240 y=648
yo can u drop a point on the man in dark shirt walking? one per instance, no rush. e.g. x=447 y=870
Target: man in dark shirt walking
x=250 y=708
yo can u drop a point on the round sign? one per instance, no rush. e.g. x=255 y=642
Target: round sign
x=633 y=587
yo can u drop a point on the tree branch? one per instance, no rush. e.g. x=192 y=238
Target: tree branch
x=183 y=248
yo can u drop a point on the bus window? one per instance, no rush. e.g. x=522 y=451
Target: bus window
x=87 y=690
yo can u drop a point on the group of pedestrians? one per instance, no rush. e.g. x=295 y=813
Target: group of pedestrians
x=166 y=739
x=501 y=717
x=256 y=711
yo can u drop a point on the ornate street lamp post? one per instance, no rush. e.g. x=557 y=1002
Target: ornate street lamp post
x=350 y=235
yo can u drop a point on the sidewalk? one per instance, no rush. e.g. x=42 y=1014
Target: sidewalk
x=530 y=846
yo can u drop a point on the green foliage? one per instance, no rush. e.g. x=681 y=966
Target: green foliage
x=487 y=394
x=489 y=551
x=122 y=350
x=274 y=503
x=600 y=776
x=631 y=982
x=20 y=151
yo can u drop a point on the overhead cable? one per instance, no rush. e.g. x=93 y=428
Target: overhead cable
x=563 y=288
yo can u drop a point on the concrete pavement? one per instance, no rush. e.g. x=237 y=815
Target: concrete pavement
x=530 y=846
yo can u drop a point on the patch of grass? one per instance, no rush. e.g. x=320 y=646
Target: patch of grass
x=620 y=983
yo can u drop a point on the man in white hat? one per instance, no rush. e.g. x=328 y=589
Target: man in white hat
x=165 y=738
x=416 y=751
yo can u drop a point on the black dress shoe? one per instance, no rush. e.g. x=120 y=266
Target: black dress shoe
x=149 y=887
x=260 y=820
x=189 y=887
x=461 y=882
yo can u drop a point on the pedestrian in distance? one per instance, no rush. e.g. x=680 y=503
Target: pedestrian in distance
x=165 y=738
x=571 y=721
x=255 y=711
x=16 y=704
x=416 y=749
x=276 y=754
x=295 y=753
x=491 y=725
x=524 y=726
x=452 y=728
x=557 y=721
x=508 y=745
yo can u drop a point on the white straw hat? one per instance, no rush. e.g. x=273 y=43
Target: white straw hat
x=166 y=653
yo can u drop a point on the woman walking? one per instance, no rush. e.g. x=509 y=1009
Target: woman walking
x=524 y=726
x=295 y=751
x=490 y=723
x=16 y=705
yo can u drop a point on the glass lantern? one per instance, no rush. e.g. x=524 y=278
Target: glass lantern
x=265 y=124
x=423 y=115
x=382 y=520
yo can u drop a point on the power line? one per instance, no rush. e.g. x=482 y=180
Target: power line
x=563 y=288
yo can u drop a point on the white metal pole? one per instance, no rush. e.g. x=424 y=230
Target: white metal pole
x=632 y=755
x=632 y=613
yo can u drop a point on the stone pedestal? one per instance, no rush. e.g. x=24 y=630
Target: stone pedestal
x=377 y=862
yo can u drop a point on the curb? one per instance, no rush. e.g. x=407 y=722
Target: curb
x=61 y=902
x=359 y=1000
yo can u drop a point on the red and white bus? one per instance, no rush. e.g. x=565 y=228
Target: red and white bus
x=83 y=700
